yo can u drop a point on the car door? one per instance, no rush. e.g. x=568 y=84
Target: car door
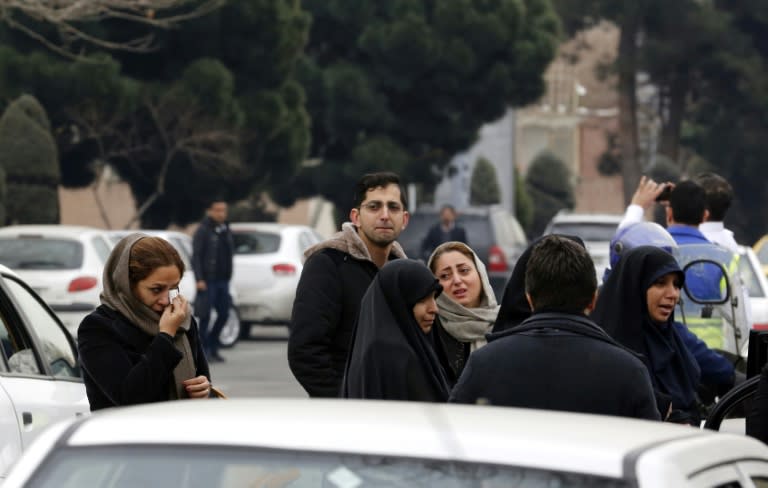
x=40 y=372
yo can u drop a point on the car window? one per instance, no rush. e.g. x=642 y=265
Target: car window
x=762 y=254
x=749 y=277
x=56 y=348
x=723 y=476
x=179 y=245
x=16 y=350
x=35 y=253
x=102 y=248
x=115 y=466
x=255 y=242
x=588 y=231
x=756 y=471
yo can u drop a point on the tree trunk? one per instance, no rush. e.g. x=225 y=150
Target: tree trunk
x=670 y=131
x=628 y=132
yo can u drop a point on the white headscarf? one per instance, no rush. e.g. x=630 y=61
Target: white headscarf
x=462 y=323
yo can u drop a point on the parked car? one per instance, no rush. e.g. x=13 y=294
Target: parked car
x=756 y=284
x=269 y=258
x=761 y=250
x=188 y=287
x=347 y=443
x=62 y=263
x=40 y=381
x=595 y=229
x=492 y=231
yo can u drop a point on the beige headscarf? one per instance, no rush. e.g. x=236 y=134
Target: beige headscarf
x=462 y=323
x=118 y=296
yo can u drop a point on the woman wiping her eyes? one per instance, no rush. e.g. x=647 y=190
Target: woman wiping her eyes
x=141 y=345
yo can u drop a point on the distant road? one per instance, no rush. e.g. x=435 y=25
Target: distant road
x=257 y=367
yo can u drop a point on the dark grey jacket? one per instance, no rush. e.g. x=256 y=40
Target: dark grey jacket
x=558 y=361
x=212 y=251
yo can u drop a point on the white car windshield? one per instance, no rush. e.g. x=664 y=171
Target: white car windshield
x=35 y=253
x=225 y=467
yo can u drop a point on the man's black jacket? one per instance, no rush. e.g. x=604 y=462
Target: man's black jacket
x=558 y=361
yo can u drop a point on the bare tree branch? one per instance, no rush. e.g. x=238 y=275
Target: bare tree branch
x=65 y=15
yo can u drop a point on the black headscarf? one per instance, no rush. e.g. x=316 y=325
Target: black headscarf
x=390 y=357
x=514 y=306
x=622 y=311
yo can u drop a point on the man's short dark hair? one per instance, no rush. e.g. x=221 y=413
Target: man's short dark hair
x=560 y=275
x=377 y=180
x=688 y=202
x=719 y=194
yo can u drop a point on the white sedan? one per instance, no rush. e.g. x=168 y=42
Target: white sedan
x=40 y=380
x=62 y=263
x=346 y=443
x=267 y=265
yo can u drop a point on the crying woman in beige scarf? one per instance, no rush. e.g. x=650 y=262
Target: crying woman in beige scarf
x=141 y=345
x=467 y=308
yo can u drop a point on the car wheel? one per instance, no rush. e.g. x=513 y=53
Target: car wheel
x=231 y=331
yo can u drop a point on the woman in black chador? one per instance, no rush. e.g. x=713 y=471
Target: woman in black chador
x=514 y=306
x=636 y=307
x=392 y=355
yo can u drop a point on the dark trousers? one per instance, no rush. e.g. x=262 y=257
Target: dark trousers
x=215 y=296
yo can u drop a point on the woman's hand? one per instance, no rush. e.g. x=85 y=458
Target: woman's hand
x=174 y=315
x=198 y=387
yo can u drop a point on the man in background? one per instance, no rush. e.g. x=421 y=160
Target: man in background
x=212 y=253
x=443 y=231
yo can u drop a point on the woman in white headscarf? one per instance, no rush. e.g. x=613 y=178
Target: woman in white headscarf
x=467 y=308
x=141 y=344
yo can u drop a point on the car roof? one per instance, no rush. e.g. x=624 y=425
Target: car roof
x=595 y=218
x=52 y=230
x=151 y=232
x=510 y=436
x=267 y=226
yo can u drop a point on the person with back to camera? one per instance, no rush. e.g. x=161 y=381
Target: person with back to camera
x=558 y=359
x=467 y=307
x=445 y=230
x=140 y=345
x=391 y=356
x=514 y=304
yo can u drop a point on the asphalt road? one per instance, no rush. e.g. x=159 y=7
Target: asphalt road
x=257 y=367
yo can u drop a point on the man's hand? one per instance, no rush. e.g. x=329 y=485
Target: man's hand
x=647 y=191
x=201 y=285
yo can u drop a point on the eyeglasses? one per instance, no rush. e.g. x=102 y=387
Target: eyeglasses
x=375 y=207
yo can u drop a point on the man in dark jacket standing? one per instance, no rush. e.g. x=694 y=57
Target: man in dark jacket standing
x=558 y=359
x=445 y=230
x=335 y=277
x=212 y=251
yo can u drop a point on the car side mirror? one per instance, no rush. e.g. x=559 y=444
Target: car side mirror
x=707 y=282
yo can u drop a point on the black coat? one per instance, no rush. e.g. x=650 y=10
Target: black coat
x=558 y=361
x=622 y=311
x=391 y=358
x=212 y=251
x=122 y=365
x=328 y=296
